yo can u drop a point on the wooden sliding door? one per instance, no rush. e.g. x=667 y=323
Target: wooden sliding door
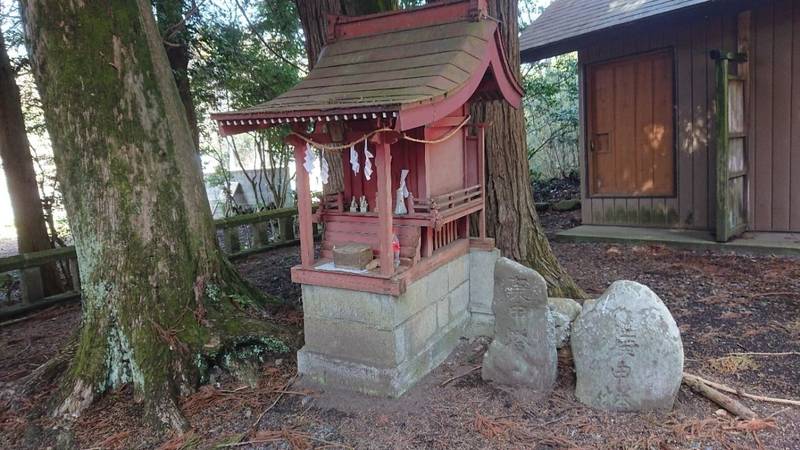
x=630 y=127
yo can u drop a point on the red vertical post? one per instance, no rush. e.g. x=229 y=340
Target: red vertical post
x=303 y=205
x=428 y=250
x=383 y=161
x=482 y=180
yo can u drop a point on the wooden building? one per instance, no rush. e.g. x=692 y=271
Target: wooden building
x=688 y=110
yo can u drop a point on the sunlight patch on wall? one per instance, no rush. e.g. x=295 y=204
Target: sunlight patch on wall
x=625 y=5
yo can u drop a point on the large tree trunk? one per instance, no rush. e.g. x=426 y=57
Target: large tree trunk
x=160 y=303
x=313 y=17
x=511 y=217
x=172 y=24
x=15 y=153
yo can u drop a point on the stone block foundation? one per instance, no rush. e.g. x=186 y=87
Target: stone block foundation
x=380 y=344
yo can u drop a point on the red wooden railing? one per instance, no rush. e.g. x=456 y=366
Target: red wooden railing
x=447 y=234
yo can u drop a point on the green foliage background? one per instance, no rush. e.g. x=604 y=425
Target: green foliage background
x=245 y=52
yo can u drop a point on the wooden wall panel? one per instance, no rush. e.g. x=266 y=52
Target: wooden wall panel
x=446 y=165
x=714 y=40
x=643 y=119
x=630 y=127
x=663 y=37
x=700 y=120
x=587 y=204
x=624 y=137
x=693 y=82
x=685 y=128
x=773 y=126
x=794 y=163
x=781 y=114
x=775 y=147
x=761 y=169
x=662 y=136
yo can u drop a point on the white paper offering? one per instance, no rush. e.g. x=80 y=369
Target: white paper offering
x=367 y=162
x=309 y=159
x=323 y=169
x=354 y=160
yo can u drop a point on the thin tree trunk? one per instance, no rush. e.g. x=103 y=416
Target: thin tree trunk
x=171 y=19
x=511 y=217
x=15 y=153
x=313 y=18
x=160 y=303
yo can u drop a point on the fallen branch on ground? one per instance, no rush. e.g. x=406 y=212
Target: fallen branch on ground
x=764 y=354
x=28 y=317
x=741 y=393
x=451 y=379
x=280 y=392
x=291 y=436
x=771 y=294
x=733 y=406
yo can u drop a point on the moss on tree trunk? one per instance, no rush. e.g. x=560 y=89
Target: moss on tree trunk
x=160 y=303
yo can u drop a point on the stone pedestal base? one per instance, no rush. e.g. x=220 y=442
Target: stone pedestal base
x=379 y=344
x=380 y=381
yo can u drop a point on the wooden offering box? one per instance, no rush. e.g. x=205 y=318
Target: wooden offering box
x=397 y=85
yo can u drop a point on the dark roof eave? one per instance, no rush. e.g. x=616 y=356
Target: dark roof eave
x=534 y=54
x=246 y=115
x=577 y=42
x=230 y=123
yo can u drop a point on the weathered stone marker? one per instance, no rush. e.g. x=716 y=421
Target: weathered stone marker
x=523 y=352
x=628 y=351
x=564 y=312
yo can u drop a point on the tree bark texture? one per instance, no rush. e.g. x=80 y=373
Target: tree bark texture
x=15 y=153
x=510 y=214
x=160 y=303
x=172 y=24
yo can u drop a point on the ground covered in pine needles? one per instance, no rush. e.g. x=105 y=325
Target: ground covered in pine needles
x=726 y=306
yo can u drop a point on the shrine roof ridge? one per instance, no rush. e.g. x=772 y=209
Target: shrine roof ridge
x=401 y=72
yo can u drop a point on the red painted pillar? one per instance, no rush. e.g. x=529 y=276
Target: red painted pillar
x=383 y=161
x=303 y=204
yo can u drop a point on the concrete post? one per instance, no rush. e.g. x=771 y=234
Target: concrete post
x=75 y=275
x=286 y=228
x=32 y=287
x=232 y=243
x=260 y=234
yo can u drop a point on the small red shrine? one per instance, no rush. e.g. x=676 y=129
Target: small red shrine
x=391 y=92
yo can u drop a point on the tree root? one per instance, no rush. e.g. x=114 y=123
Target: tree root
x=688 y=378
x=734 y=407
x=50 y=370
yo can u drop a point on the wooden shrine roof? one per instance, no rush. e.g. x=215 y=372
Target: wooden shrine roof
x=383 y=73
x=564 y=21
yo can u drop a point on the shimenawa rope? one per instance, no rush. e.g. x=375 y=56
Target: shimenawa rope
x=328 y=147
